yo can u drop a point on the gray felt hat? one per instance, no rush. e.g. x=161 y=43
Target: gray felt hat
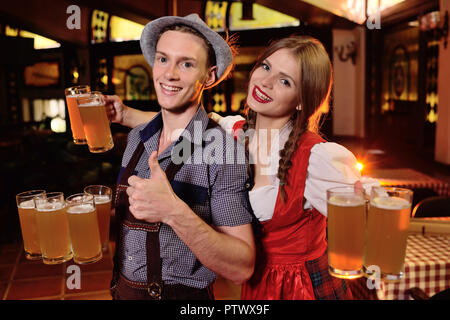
x=152 y=30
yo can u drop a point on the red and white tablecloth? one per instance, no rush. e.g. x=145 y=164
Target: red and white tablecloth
x=427 y=266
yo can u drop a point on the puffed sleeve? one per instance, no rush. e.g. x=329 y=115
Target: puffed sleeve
x=331 y=165
x=227 y=123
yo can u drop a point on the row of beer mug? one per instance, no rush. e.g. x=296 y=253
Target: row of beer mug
x=56 y=230
x=88 y=119
x=363 y=233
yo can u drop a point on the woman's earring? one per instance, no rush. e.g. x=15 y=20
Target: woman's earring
x=299 y=108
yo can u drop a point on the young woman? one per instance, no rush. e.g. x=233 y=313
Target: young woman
x=292 y=167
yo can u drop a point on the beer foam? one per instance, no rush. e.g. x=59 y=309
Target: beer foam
x=346 y=200
x=81 y=208
x=29 y=204
x=50 y=206
x=91 y=104
x=100 y=199
x=79 y=95
x=390 y=203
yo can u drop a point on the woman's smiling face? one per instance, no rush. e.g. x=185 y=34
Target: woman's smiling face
x=273 y=90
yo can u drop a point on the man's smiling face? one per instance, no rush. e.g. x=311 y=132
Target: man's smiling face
x=180 y=70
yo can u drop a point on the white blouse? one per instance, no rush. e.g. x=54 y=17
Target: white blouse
x=330 y=165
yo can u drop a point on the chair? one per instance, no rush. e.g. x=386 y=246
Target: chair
x=421 y=194
x=432 y=207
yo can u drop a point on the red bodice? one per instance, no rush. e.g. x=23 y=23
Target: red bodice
x=294 y=234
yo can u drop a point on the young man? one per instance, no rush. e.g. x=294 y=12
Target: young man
x=180 y=225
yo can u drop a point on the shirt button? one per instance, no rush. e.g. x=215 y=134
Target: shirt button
x=130 y=258
x=247 y=185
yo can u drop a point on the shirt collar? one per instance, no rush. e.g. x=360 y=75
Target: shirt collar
x=192 y=133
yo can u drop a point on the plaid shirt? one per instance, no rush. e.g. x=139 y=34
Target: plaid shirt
x=223 y=184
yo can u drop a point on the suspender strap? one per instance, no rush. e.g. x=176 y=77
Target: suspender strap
x=128 y=172
x=121 y=205
x=154 y=268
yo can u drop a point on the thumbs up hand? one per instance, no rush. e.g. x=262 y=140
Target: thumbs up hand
x=153 y=199
x=157 y=173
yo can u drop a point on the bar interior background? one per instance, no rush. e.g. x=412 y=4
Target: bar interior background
x=390 y=105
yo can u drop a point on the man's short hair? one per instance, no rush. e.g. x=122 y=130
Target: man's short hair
x=211 y=56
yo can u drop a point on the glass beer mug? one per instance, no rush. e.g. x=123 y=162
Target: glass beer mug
x=95 y=122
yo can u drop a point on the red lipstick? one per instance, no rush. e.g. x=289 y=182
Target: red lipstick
x=260 y=96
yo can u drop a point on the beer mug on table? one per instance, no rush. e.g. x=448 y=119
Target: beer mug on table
x=27 y=216
x=387 y=231
x=83 y=226
x=95 y=122
x=76 y=123
x=53 y=228
x=102 y=199
x=346 y=209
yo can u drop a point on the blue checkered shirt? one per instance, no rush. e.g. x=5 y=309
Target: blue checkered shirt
x=228 y=203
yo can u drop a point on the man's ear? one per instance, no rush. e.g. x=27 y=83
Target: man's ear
x=211 y=77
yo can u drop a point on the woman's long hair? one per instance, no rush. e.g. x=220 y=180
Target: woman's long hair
x=314 y=92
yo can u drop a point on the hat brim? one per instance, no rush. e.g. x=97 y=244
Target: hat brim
x=152 y=30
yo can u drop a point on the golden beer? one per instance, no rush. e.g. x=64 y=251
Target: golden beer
x=346 y=224
x=387 y=233
x=102 y=199
x=103 y=205
x=95 y=122
x=53 y=229
x=27 y=216
x=83 y=226
x=76 y=123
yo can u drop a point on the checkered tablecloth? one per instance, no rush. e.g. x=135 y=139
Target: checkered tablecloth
x=427 y=266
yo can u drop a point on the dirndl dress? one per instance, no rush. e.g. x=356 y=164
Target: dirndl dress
x=292 y=261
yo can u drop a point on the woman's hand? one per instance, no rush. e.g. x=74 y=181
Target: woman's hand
x=214 y=116
x=115 y=109
x=126 y=116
